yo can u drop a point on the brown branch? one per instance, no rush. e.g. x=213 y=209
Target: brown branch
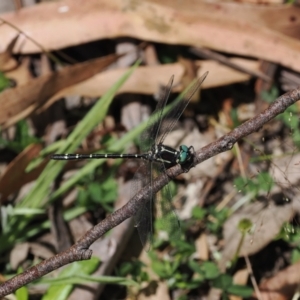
x=210 y=54
x=81 y=251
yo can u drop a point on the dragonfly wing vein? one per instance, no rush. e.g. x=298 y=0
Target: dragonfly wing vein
x=143 y=217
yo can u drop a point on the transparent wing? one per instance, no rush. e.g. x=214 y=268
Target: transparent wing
x=167 y=219
x=174 y=114
x=144 y=176
x=143 y=217
x=149 y=135
x=166 y=216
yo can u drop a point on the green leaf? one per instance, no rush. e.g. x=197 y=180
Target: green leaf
x=207 y=269
x=189 y=284
x=296 y=137
x=81 y=279
x=126 y=268
x=265 y=181
x=95 y=192
x=183 y=247
x=262 y=182
x=271 y=95
x=240 y=183
x=220 y=216
x=133 y=269
x=183 y=297
x=175 y=265
x=62 y=286
x=83 y=198
x=195 y=266
x=240 y=290
x=160 y=269
x=22 y=293
x=22 y=138
x=165 y=269
x=103 y=193
x=198 y=213
x=210 y=270
x=222 y=282
x=109 y=191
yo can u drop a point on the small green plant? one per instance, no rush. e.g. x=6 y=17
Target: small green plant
x=290 y=233
x=93 y=193
x=175 y=264
x=212 y=217
x=133 y=270
x=205 y=271
x=244 y=226
x=263 y=182
x=187 y=274
x=271 y=95
x=225 y=283
x=75 y=274
x=164 y=224
x=199 y=213
x=21 y=140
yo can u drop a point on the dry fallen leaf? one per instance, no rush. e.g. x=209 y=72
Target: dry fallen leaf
x=18 y=255
x=267 y=221
x=7 y=61
x=17 y=103
x=147 y=79
x=223 y=27
x=281 y=286
x=21 y=75
x=15 y=175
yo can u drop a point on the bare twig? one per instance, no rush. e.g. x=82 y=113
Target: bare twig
x=81 y=251
x=209 y=54
x=43 y=49
x=252 y=278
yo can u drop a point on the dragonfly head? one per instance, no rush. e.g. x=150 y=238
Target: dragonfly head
x=185 y=154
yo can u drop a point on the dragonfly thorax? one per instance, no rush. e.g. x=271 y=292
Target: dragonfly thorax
x=168 y=155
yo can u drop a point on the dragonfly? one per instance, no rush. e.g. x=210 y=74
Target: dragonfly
x=156 y=158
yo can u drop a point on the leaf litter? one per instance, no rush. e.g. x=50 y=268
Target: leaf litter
x=238 y=30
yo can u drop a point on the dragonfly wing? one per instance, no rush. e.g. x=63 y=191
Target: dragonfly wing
x=148 y=137
x=143 y=217
x=165 y=214
x=174 y=114
x=143 y=223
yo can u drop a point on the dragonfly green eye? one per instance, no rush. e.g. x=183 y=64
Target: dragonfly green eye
x=184 y=154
